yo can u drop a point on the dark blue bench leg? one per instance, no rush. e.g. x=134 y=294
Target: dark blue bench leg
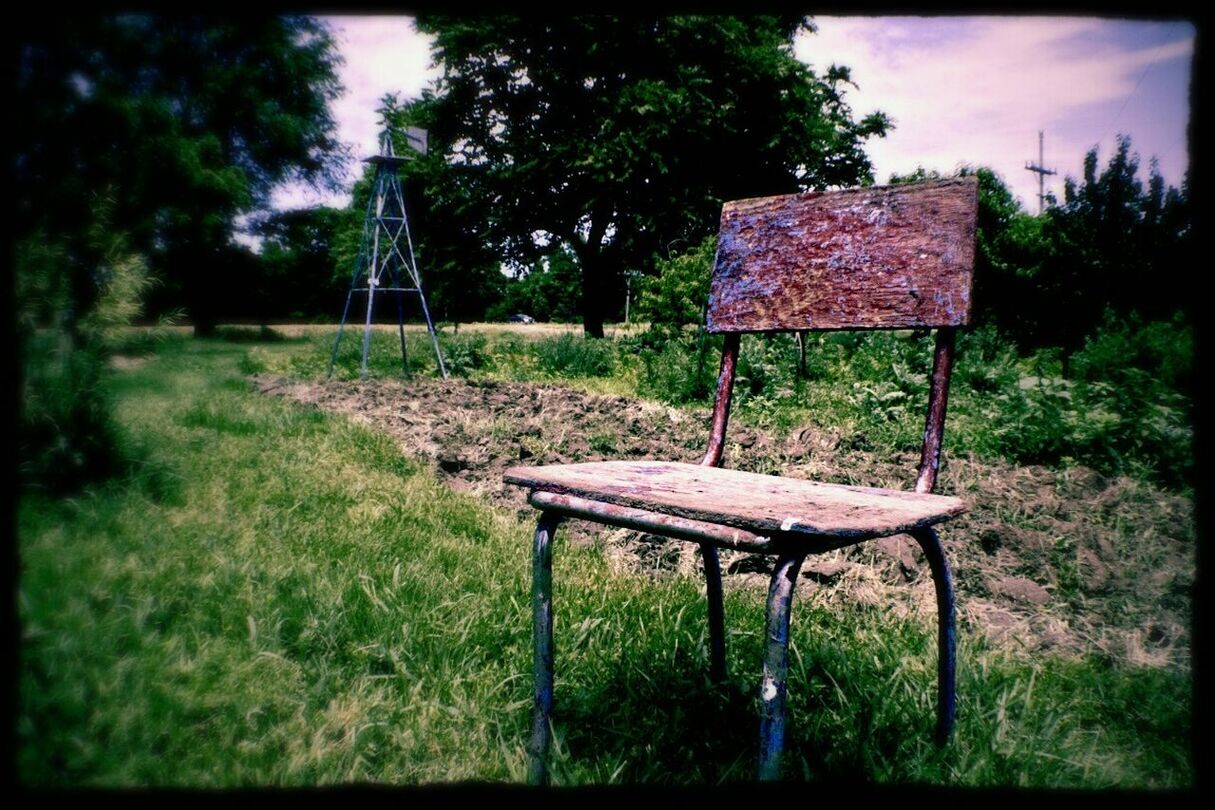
x=928 y=540
x=776 y=666
x=542 y=641
x=717 y=624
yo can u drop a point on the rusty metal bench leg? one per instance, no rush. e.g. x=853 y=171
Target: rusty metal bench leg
x=776 y=666
x=928 y=540
x=542 y=641
x=717 y=623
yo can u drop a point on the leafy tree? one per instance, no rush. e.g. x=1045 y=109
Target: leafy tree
x=545 y=291
x=138 y=141
x=615 y=136
x=1111 y=245
x=677 y=294
x=297 y=274
x=184 y=122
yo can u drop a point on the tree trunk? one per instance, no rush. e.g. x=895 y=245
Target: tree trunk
x=592 y=293
x=592 y=324
x=202 y=280
x=204 y=328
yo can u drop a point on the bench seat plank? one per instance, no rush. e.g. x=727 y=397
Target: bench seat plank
x=762 y=504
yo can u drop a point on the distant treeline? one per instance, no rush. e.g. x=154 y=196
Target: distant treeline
x=1113 y=244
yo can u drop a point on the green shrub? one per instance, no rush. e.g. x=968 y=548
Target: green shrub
x=464 y=354
x=66 y=433
x=571 y=355
x=1125 y=410
x=68 y=323
x=681 y=370
x=676 y=296
x=1164 y=350
x=1132 y=391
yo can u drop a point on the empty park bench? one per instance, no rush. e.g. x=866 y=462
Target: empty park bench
x=886 y=257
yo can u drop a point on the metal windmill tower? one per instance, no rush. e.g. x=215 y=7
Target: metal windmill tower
x=382 y=267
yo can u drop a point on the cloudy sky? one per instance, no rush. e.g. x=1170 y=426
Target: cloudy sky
x=961 y=90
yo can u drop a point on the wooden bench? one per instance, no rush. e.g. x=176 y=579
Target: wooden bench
x=885 y=257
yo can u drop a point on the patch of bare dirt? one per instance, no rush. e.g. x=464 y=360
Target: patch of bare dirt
x=121 y=362
x=1046 y=560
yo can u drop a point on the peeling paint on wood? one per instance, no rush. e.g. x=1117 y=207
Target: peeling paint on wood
x=884 y=257
x=653 y=522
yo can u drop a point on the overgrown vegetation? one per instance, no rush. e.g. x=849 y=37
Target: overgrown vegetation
x=1125 y=410
x=138 y=142
x=65 y=335
x=278 y=597
x=185 y=123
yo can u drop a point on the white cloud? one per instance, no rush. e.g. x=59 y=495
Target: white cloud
x=977 y=90
x=961 y=90
x=382 y=54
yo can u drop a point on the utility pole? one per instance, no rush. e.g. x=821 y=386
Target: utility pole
x=1042 y=171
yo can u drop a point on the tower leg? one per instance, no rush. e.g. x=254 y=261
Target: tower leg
x=430 y=327
x=367 y=330
x=401 y=329
x=341 y=325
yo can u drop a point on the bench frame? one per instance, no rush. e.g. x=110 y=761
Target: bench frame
x=827 y=255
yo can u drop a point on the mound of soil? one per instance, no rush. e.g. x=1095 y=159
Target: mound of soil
x=1060 y=560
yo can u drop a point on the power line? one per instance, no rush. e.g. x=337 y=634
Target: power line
x=1134 y=90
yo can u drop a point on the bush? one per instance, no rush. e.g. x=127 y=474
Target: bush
x=1126 y=409
x=676 y=296
x=66 y=434
x=681 y=370
x=464 y=354
x=575 y=356
x=1164 y=350
x=1133 y=384
x=68 y=323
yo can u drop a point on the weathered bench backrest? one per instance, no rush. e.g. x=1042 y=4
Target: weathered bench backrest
x=883 y=257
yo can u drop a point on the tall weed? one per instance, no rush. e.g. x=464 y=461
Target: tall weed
x=570 y=355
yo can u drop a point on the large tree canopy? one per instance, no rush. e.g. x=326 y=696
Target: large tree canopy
x=617 y=136
x=180 y=123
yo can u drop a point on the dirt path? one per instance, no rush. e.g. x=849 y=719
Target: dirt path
x=1066 y=561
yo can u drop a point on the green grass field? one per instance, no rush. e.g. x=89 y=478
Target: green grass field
x=276 y=596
